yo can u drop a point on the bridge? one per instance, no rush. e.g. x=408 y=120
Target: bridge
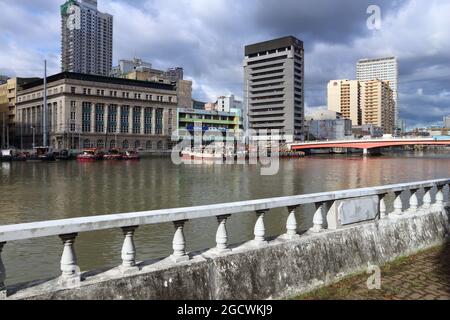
x=346 y=231
x=367 y=144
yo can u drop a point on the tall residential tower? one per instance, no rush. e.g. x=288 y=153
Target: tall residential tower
x=274 y=81
x=382 y=69
x=87 y=38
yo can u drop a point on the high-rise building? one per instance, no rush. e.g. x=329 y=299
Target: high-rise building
x=447 y=122
x=377 y=105
x=382 y=69
x=344 y=97
x=363 y=102
x=274 y=83
x=87 y=38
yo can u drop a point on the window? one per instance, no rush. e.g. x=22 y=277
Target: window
x=86 y=117
x=112 y=118
x=160 y=145
x=73 y=90
x=112 y=144
x=137 y=120
x=125 y=144
x=148 y=120
x=124 y=119
x=159 y=121
x=99 y=117
x=137 y=144
x=149 y=145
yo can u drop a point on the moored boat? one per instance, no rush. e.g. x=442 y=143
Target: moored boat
x=42 y=154
x=113 y=154
x=90 y=155
x=131 y=155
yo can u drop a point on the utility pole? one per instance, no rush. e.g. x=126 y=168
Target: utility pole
x=45 y=105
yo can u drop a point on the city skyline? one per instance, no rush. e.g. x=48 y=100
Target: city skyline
x=210 y=46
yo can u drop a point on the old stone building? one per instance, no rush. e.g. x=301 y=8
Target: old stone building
x=95 y=111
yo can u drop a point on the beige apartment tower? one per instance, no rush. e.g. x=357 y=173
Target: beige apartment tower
x=363 y=102
x=344 y=97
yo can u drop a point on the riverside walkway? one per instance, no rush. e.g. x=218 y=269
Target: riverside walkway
x=423 y=276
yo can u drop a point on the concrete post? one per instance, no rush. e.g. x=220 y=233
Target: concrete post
x=179 y=243
x=383 y=213
x=222 y=234
x=427 y=199
x=2 y=272
x=318 y=218
x=439 y=205
x=413 y=201
x=260 y=228
x=69 y=266
x=398 y=204
x=128 y=248
x=291 y=224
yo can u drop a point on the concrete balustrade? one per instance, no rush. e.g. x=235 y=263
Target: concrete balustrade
x=340 y=209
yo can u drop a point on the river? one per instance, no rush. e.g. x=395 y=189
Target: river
x=45 y=191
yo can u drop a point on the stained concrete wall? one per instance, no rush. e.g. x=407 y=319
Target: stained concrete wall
x=279 y=269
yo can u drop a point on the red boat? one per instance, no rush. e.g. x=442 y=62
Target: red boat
x=113 y=154
x=90 y=155
x=131 y=155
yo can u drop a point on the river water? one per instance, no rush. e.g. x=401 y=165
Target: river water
x=45 y=191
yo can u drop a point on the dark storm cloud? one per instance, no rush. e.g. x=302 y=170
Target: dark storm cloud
x=207 y=38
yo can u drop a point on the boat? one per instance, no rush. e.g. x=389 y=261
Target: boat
x=202 y=155
x=63 y=155
x=42 y=154
x=90 y=155
x=113 y=154
x=131 y=155
x=6 y=155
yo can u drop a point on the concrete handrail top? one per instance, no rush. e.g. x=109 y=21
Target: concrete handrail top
x=24 y=231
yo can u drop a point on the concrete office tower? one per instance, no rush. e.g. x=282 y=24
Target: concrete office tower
x=377 y=104
x=344 y=97
x=274 y=82
x=87 y=36
x=382 y=69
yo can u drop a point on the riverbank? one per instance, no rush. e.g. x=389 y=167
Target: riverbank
x=423 y=276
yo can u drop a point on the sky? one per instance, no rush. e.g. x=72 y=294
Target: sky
x=207 y=39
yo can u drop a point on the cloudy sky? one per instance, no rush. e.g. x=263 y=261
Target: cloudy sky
x=207 y=38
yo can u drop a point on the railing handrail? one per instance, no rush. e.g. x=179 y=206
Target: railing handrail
x=364 y=140
x=32 y=230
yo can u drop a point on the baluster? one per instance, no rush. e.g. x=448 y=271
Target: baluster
x=439 y=205
x=69 y=266
x=398 y=203
x=291 y=224
x=383 y=212
x=179 y=243
x=413 y=201
x=427 y=199
x=318 y=218
x=128 y=249
x=260 y=229
x=2 y=272
x=222 y=234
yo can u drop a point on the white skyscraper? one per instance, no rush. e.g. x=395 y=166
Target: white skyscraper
x=381 y=69
x=87 y=35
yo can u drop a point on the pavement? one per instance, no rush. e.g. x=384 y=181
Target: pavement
x=423 y=276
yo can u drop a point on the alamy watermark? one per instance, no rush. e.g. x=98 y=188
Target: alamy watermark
x=374 y=20
x=374 y=281
x=211 y=146
x=73 y=17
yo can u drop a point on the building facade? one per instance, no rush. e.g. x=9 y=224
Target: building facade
x=274 y=87
x=382 y=69
x=344 y=97
x=87 y=38
x=93 y=111
x=8 y=94
x=203 y=120
x=378 y=105
x=447 y=122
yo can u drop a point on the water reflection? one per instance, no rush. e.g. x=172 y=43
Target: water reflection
x=40 y=191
